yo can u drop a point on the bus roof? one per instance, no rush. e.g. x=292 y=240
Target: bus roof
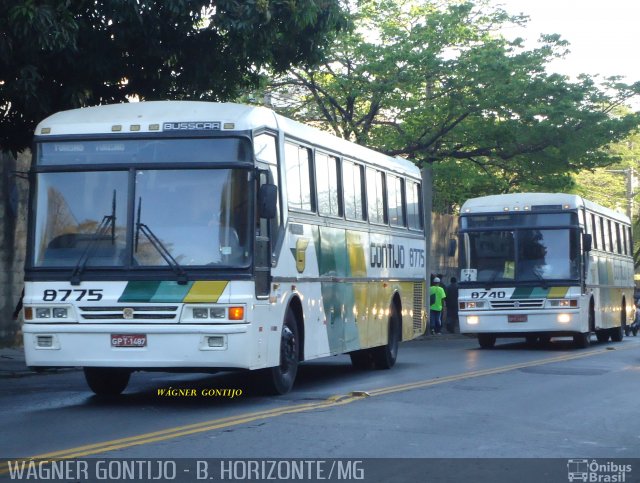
x=531 y=201
x=151 y=116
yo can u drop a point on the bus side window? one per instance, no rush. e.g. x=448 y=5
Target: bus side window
x=376 y=197
x=297 y=160
x=352 y=185
x=264 y=146
x=603 y=237
x=610 y=241
x=414 y=207
x=594 y=232
x=395 y=199
x=616 y=235
x=327 y=185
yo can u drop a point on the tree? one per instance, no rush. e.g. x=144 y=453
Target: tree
x=616 y=185
x=436 y=82
x=62 y=54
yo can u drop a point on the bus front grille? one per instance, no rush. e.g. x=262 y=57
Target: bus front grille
x=522 y=304
x=127 y=312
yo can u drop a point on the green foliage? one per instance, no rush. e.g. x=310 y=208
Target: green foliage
x=435 y=82
x=62 y=54
x=617 y=186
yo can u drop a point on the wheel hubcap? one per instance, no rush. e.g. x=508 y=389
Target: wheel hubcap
x=288 y=349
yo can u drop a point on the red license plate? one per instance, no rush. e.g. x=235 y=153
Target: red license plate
x=517 y=318
x=128 y=340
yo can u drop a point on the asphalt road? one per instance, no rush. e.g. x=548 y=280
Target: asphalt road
x=445 y=398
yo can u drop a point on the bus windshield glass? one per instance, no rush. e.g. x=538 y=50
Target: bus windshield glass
x=524 y=255
x=200 y=216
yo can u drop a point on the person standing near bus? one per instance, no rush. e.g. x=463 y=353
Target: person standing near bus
x=451 y=303
x=436 y=296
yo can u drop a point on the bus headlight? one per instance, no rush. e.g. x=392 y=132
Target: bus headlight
x=216 y=314
x=573 y=303
x=48 y=314
x=43 y=313
x=480 y=304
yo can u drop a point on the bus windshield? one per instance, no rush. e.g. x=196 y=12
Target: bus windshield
x=199 y=216
x=520 y=255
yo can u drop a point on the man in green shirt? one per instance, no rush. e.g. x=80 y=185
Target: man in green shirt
x=436 y=296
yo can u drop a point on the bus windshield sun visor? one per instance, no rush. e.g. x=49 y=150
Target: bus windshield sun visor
x=160 y=247
x=108 y=221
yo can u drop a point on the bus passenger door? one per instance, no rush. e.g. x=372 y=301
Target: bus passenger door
x=266 y=213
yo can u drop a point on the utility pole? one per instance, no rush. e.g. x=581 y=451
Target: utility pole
x=630 y=186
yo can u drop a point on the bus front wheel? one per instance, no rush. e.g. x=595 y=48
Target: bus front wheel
x=107 y=381
x=280 y=379
x=486 y=341
x=582 y=340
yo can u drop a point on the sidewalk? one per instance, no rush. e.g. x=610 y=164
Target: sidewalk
x=12 y=363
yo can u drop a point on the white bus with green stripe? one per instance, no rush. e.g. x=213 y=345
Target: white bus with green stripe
x=205 y=236
x=543 y=265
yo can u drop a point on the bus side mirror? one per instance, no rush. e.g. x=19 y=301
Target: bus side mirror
x=268 y=201
x=453 y=247
x=587 y=240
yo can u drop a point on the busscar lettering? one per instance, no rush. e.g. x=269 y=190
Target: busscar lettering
x=387 y=255
x=192 y=126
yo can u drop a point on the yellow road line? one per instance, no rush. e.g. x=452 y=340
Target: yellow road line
x=333 y=401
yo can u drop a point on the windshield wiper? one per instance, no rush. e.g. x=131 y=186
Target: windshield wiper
x=96 y=236
x=159 y=246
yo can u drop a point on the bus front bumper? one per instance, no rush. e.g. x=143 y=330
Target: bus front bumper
x=565 y=322
x=165 y=346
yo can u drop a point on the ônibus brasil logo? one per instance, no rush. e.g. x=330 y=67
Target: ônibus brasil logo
x=597 y=472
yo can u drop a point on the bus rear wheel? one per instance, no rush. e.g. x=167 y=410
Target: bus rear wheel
x=279 y=379
x=107 y=381
x=486 y=341
x=603 y=335
x=617 y=333
x=384 y=357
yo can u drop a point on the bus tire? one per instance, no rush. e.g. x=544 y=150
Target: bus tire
x=384 y=357
x=582 y=340
x=362 y=359
x=279 y=379
x=603 y=335
x=486 y=341
x=617 y=333
x=107 y=381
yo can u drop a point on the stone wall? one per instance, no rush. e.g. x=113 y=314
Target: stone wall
x=14 y=192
